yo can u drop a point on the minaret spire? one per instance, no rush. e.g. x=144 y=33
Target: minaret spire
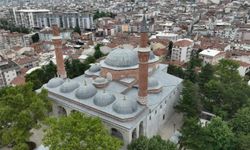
x=57 y=41
x=143 y=55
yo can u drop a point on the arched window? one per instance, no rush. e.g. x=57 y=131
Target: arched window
x=61 y=111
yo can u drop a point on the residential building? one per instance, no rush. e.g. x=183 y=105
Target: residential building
x=40 y=18
x=8 y=71
x=182 y=50
x=211 y=56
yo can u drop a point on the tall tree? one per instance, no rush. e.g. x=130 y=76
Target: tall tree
x=206 y=75
x=194 y=62
x=41 y=76
x=226 y=92
x=98 y=54
x=75 y=68
x=241 y=126
x=154 y=143
x=77 y=30
x=176 y=71
x=77 y=132
x=216 y=135
x=190 y=102
x=20 y=110
x=35 y=38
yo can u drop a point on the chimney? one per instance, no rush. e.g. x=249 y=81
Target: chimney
x=57 y=41
x=143 y=55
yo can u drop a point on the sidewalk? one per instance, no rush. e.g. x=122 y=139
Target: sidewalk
x=174 y=123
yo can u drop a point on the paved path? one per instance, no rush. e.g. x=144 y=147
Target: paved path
x=174 y=123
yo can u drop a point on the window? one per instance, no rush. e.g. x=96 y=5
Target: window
x=161 y=107
x=165 y=101
x=163 y=117
x=149 y=117
x=149 y=110
x=155 y=111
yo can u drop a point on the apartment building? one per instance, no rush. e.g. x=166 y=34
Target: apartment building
x=211 y=56
x=8 y=71
x=40 y=18
x=182 y=50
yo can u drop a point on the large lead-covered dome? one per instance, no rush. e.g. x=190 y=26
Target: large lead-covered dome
x=103 y=99
x=122 y=58
x=55 y=82
x=152 y=82
x=69 y=86
x=85 y=91
x=125 y=106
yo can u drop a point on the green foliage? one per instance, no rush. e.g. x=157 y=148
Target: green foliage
x=194 y=62
x=78 y=132
x=214 y=136
x=241 y=126
x=77 y=30
x=154 y=143
x=190 y=102
x=241 y=121
x=75 y=68
x=98 y=54
x=6 y=25
x=226 y=92
x=90 y=60
x=170 y=46
x=176 y=71
x=206 y=75
x=20 y=111
x=35 y=38
x=98 y=15
x=41 y=76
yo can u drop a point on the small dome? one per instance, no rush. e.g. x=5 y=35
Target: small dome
x=85 y=91
x=122 y=58
x=152 y=82
x=103 y=99
x=95 y=68
x=125 y=106
x=69 y=86
x=55 y=82
x=100 y=80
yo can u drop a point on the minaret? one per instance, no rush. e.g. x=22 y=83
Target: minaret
x=57 y=41
x=143 y=55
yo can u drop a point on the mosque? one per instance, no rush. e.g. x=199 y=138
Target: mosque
x=129 y=90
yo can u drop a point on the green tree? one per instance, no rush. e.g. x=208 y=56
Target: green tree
x=192 y=134
x=89 y=60
x=6 y=25
x=75 y=68
x=190 y=102
x=170 y=46
x=154 y=143
x=219 y=135
x=41 y=76
x=35 y=38
x=21 y=109
x=206 y=75
x=98 y=15
x=194 y=62
x=98 y=54
x=176 y=71
x=77 y=30
x=77 y=132
x=216 y=135
x=227 y=91
x=241 y=127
